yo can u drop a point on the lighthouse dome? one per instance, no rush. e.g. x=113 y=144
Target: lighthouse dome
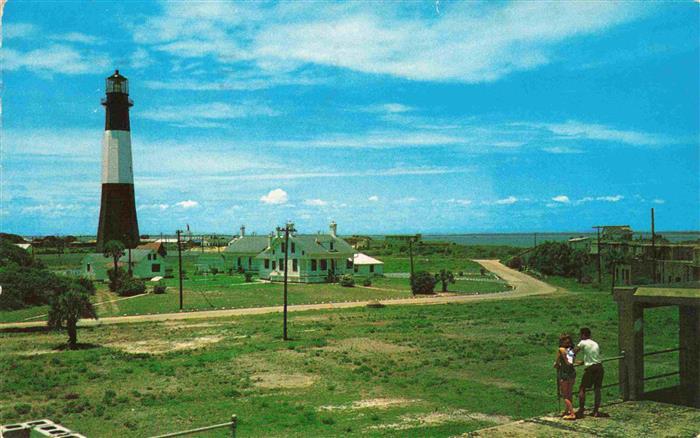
x=117 y=83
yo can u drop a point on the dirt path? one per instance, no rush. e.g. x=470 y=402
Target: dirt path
x=524 y=285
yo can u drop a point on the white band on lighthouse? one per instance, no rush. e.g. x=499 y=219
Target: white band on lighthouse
x=116 y=158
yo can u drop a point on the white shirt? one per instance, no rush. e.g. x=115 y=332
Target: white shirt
x=591 y=352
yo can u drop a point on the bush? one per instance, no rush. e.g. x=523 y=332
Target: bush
x=214 y=270
x=423 y=283
x=27 y=286
x=159 y=288
x=367 y=282
x=347 y=280
x=248 y=277
x=117 y=279
x=515 y=263
x=131 y=287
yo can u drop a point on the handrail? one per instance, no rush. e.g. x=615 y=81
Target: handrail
x=669 y=350
x=660 y=376
x=232 y=424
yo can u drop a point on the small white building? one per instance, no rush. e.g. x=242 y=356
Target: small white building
x=364 y=265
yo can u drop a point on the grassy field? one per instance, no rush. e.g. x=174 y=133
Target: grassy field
x=231 y=291
x=396 y=371
x=432 y=263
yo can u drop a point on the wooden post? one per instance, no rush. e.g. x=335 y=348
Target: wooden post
x=689 y=355
x=234 y=424
x=179 y=264
x=631 y=341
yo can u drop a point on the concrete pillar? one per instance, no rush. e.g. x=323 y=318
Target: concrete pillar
x=631 y=341
x=689 y=356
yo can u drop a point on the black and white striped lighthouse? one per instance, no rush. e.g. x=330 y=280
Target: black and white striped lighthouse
x=118 y=208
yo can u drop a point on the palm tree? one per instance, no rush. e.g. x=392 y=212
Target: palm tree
x=67 y=307
x=114 y=249
x=445 y=277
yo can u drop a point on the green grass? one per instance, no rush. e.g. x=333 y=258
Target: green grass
x=493 y=358
x=61 y=262
x=460 y=286
x=431 y=263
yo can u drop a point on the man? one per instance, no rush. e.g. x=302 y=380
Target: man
x=592 y=374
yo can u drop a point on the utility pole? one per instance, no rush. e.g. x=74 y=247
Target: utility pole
x=289 y=228
x=535 y=235
x=598 y=228
x=653 y=248
x=179 y=264
x=410 y=256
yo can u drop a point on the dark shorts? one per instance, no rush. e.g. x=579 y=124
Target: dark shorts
x=593 y=376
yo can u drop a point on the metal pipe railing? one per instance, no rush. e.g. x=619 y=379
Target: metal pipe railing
x=669 y=350
x=232 y=424
x=661 y=376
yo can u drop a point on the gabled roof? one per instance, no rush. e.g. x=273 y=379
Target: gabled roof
x=158 y=247
x=315 y=245
x=364 y=259
x=137 y=255
x=247 y=245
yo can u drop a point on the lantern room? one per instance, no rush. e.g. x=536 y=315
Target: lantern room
x=117 y=83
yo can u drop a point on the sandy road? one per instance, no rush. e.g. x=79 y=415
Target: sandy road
x=523 y=284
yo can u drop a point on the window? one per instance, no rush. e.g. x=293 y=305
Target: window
x=154 y=256
x=371 y=268
x=293 y=247
x=250 y=262
x=281 y=264
x=313 y=264
x=273 y=265
x=89 y=268
x=355 y=268
x=295 y=265
x=331 y=246
x=324 y=264
x=349 y=264
x=267 y=264
x=155 y=267
x=239 y=262
x=149 y=257
x=284 y=248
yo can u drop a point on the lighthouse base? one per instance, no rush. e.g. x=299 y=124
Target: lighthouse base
x=118 y=216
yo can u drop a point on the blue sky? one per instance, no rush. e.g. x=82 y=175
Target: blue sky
x=394 y=117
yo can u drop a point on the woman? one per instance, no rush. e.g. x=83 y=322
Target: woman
x=566 y=375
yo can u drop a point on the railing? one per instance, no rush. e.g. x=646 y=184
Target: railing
x=231 y=424
x=623 y=377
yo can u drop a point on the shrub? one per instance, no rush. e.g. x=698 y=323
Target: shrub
x=25 y=286
x=116 y=279
x=214 y=270
x=423 y=283
x=347 y=280
x=23 y=409
x=367 y=282
x=248 y=277
x=515 y=263
x=131 y=287
x=159 y=288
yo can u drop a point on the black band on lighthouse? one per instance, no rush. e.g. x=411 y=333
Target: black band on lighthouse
x=117 y=112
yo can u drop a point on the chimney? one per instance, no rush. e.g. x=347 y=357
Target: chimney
x=334 y=229
x=242 y=230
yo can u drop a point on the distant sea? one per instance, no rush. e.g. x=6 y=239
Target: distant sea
x=528 y=239
x=525 y=240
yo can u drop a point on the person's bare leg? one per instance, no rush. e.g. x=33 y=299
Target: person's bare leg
x=581 y=401
x=596 y=403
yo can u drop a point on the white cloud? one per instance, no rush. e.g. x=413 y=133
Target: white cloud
x=562 y=150
x=18 y=30
x=506 y=201
x=467 y=42
x=658 y=201
x=614 y=198
x=76 y=37
x=562 y=199
x=315 y=202
x=572 y=129
x=140 y=58
x=373 y=198
x=161 y=207
x=462 y=202
x=276 y=196
x=187 y=204
x=207 y=115
x=54 y=58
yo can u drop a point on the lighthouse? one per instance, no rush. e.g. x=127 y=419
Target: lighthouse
x=118 y=208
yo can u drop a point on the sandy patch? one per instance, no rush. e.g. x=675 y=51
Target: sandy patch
x=311 y=318
x=367 y=345
x=281 y=380
x=32 y=352
x=158 y=346
x=180 y=325
x=438 y=418
x=375 y=403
